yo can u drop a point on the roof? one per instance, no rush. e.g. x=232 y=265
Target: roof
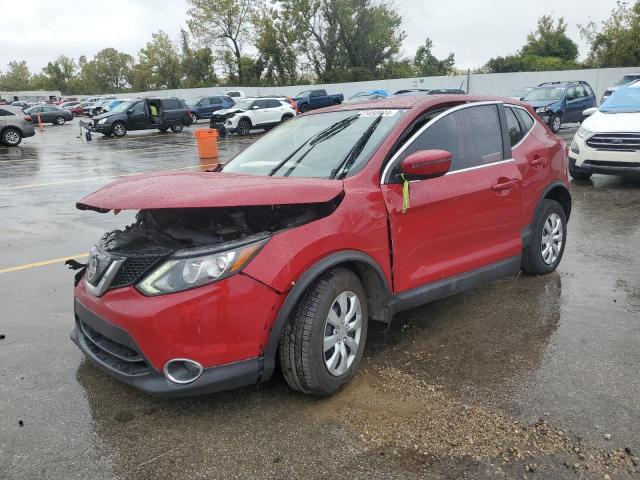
x=563 y=82
x=413 y=101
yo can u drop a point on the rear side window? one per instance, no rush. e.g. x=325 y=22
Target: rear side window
x=513 y=125
x=170 y=104
x=215 y=101
x=5 y=113
x=273 y=103
x=472 y=135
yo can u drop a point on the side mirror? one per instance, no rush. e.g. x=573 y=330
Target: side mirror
x=255 y=107
x=427 y=164
x=589 y=111
x=130 y=111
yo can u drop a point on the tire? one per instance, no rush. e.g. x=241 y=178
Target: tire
x=306 y=366
x=194 y=119
x=163 y=129
x=550 y=214
x=286 y=117
x=244 y=127
x=177 y=128
x=59 y=120
x=555 y=123
x=119 y=129
x=304 y=108
x=11 y=137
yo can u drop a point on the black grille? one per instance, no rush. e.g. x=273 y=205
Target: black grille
x=132 y=270
x=117 y=356
x=601 y=163
x=616 y=142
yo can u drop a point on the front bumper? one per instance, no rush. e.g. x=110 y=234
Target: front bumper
x=607 y=162
x=222 y=326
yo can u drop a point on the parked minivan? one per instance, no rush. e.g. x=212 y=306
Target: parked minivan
x=333 y=219
x=561 y=102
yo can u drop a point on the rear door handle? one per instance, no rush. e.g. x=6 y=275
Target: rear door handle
x=505 y=185
x=537 y=161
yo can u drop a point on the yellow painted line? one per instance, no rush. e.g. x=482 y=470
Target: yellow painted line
x=33 y=185
x=27 y=266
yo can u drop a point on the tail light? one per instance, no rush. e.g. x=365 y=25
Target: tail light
x=28 y=118
x=188 y=112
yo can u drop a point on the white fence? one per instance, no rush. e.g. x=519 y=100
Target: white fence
x=482 y=84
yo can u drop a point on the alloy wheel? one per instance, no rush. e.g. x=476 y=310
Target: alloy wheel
x=557 y=123
x=60 y=120
x=342 y=333
x=552 y=238
x=12 y=137
x=194 y=119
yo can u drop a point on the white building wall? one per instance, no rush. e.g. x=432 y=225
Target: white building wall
x=481 y=84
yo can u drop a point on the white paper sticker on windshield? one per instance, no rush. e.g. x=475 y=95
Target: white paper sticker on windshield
x=377 y=113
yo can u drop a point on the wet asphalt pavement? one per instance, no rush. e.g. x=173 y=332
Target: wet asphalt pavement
x=537 y=377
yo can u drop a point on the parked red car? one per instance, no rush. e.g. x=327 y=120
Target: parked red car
x=338 y=217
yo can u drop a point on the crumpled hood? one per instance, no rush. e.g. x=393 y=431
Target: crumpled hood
x=226 y=111
x=174 y=189
x=542 y=103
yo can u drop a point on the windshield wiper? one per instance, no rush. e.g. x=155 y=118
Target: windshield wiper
x=317 y=138
x=353 y=154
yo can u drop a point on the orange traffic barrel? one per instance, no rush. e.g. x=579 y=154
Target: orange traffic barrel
x=207 y=141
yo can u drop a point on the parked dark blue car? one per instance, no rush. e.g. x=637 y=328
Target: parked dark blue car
x=561 y=102
x=203 y=107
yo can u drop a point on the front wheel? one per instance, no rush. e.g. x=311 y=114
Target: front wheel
x=176 y=128
x=244 y=127
x=119 y=129
x=194 y=118
x=545 y=250
x=323 y=340
x=555 y=122
x=579 y=175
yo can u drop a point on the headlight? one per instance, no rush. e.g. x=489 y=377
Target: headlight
x=575 y=148
x=182 y=272
x=583 y=132
x=102 y=122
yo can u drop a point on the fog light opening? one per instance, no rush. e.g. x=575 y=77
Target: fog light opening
x=182 y=370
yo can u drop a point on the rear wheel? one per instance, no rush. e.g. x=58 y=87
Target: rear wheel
x=286 y=117
x=244 y=127
x=11 y=137
x=545 y=250
x=323 y=340
x=177 y=127
x=119 y=129
x=59 y=120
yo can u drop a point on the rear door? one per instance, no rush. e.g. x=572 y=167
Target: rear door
x=575 y=101
x=467 y=219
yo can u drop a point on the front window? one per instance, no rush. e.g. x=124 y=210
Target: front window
x=545 y=94
x=327 y=145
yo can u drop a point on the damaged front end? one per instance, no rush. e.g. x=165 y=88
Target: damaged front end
x=172 y=250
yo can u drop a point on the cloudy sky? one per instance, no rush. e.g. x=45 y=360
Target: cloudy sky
x=475 y=30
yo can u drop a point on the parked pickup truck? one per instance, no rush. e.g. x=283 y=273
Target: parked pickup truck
x=312 y=99
x=141 y=114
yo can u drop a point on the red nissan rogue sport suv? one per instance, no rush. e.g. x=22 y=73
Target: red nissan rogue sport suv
x=336 y=218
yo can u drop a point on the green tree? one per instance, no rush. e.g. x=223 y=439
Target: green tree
x=275 y=41
x=110 y=71
x=59 y=74
x=427 y=65
x=550 y=40
x=162 y=58
x=223 y=23
x=616 y=43
x=197 y=65
x=17 y=77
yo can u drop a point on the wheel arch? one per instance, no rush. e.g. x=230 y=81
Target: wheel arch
x=13 y=127
x=560 y=193
x=244 y=117
x=368 y=271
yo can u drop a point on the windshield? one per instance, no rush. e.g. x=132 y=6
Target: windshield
x=243 y=104
x=192 y=102
x=623 y=100
x=628 y=79
x=122 y=107
x=327 y=145
x=545 y=93
x=303 y=94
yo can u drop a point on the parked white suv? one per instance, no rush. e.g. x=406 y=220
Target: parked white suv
x=608 y=141
x=252 y=113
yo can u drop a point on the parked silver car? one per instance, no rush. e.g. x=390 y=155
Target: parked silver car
x=14 y=125
x=626 y=80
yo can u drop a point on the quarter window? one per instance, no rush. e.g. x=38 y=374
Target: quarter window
x=526 y=119
x=515 y=131
x=472 y=135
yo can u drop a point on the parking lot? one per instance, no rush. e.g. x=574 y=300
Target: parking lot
x=536 y=377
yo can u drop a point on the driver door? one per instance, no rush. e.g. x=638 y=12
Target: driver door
x=137 y=116
x=469 y=218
